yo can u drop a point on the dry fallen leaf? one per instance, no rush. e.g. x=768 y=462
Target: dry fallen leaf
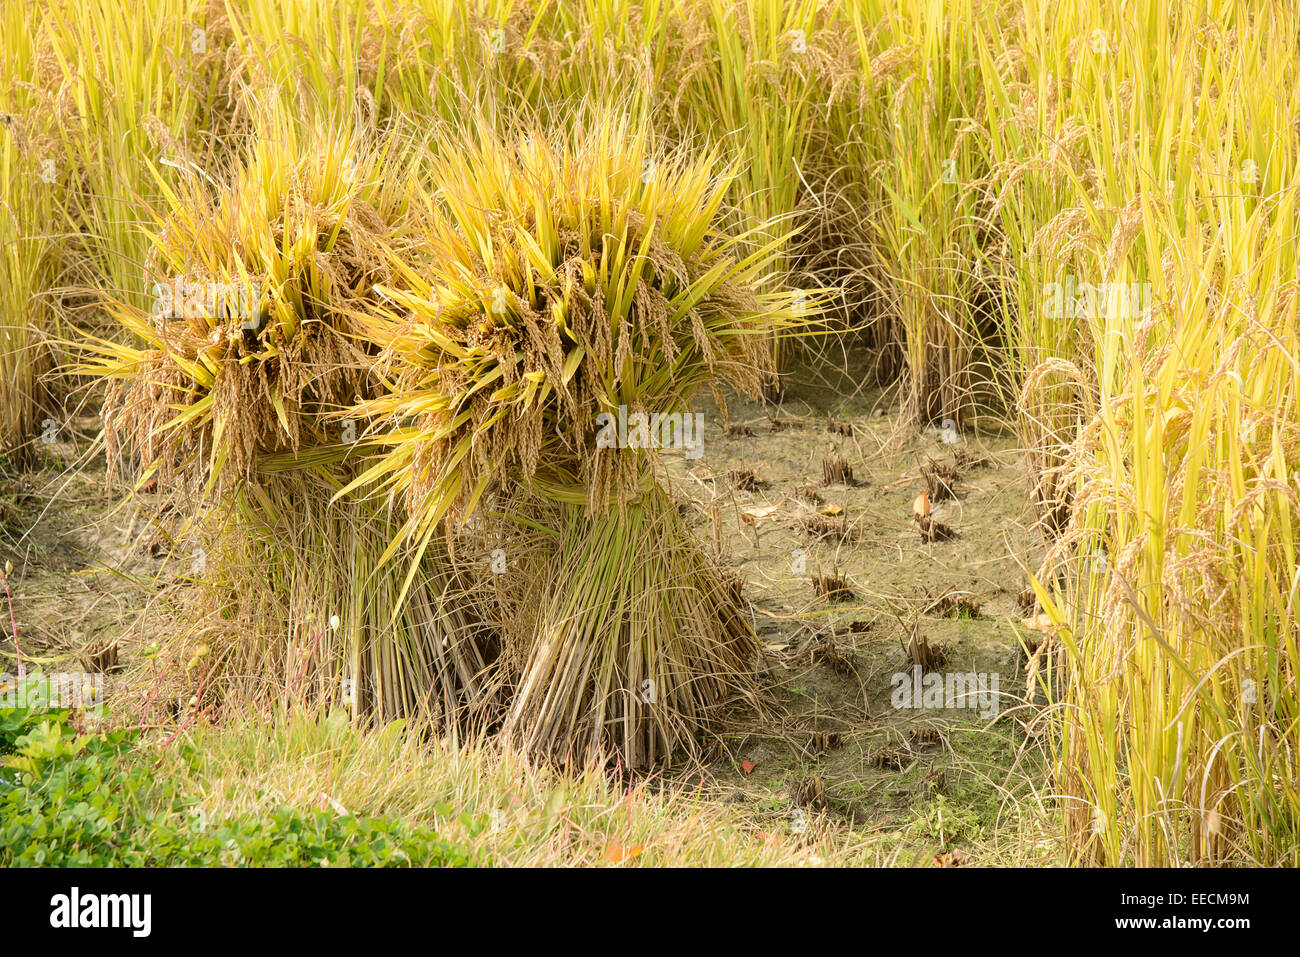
x=616 y=853
x=954 y=858
x=748 y=766
x=921 y=506
x=753 y=515
x=832 y=510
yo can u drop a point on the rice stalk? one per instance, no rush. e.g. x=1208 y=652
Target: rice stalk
x=231 y=401
x=558 y=281
x=32 y=189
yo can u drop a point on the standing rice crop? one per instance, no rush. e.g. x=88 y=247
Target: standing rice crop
x=32 y=189
x=756 y=79
x=134 y=81
x=1174 y=579
x=918 y=147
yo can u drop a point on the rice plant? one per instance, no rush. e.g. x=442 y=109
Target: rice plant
x=755 y=80
x=231 y=397
x=135 y=83
x=923 y=112
x=32 y=195
x=1178 y=562
x=365 y=284
x=564 y=277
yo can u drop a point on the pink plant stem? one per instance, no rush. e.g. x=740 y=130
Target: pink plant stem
x=311 y=653
x=198 y=697
x=172 y=737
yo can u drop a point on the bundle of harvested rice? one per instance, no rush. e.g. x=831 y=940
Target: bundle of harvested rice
x=566 y=285
x=235 y=399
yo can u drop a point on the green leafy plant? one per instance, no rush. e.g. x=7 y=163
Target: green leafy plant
x=72 y=799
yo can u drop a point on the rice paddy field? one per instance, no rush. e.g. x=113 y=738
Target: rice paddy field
x=678 y=433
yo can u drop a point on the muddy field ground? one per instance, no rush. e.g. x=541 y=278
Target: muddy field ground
x=846 y=593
